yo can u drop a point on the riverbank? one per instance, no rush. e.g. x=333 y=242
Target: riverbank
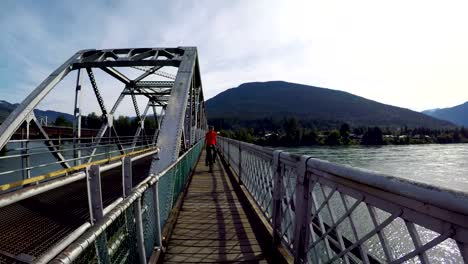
x=299 y=136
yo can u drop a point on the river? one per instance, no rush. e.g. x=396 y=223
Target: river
x=439 y=165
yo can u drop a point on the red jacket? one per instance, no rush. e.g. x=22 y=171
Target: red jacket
x=210 y=138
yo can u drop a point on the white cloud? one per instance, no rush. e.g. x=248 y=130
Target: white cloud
x=406 y=53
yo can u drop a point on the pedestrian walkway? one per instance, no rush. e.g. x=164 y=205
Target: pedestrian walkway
x=212 y=225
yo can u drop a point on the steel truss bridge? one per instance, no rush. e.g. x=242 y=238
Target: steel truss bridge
x=143 y=195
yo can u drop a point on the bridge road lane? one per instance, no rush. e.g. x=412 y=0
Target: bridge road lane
x=212 y=225
x=33 y=225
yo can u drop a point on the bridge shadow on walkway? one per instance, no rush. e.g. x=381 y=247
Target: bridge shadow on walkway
x=213 y=225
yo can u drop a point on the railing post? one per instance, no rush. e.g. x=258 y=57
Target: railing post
x=303 y=211
x=127 y=181
x=277 y=198
x=96 y=210
x=157 y=214
x=228 y=153
x=139 y=234
x=240 y=164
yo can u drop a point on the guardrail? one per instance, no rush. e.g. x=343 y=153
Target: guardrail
x=329 y=213
x=27 y=159
x=129 y=231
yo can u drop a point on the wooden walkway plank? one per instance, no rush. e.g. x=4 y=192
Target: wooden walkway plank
x=212 y=225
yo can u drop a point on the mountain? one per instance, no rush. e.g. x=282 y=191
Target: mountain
x=278 y=99
x=6 y=108
x=457 y=114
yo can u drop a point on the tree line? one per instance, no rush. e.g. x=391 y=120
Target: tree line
x=125 y=126
x=291 y=132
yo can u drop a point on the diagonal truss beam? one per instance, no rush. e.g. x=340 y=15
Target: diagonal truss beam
x=135 y=105
x=50 y=144
x=116 y=74
x=160 y=73
x=147 y=73
x=96 y=91
x=104 y=127
x=17 y=116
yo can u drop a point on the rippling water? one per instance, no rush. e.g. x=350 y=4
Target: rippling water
x=440 y=165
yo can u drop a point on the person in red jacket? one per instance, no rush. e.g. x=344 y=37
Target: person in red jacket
x=210 y=142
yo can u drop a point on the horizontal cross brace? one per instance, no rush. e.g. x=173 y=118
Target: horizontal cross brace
x=146 y=93
x=156 y=84
x=125 y=63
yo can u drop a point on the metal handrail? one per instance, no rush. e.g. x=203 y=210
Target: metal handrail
x=62 y=139
x=65 y=150
x=142 y=139
x=346 y=210
x=26 y=155
x=149 y=184
x=30 y=191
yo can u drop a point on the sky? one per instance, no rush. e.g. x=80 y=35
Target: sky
x=412 y=54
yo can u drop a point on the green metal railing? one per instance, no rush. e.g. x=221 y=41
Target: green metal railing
x=130 y=231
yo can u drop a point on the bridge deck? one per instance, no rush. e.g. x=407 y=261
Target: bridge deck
x=213 y=225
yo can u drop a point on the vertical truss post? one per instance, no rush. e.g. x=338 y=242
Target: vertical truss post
x=277 y=197
x=202 y=117
x=26 y=155
x=108 y=148
x=303 y=211
x=96 y=210
x=195 y=116
x=156 y=119
x=190 y=118
x=23 y=161
x=77 y=119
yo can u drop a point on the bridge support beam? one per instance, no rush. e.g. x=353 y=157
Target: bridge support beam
x=172 y=127
x=77 y=119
